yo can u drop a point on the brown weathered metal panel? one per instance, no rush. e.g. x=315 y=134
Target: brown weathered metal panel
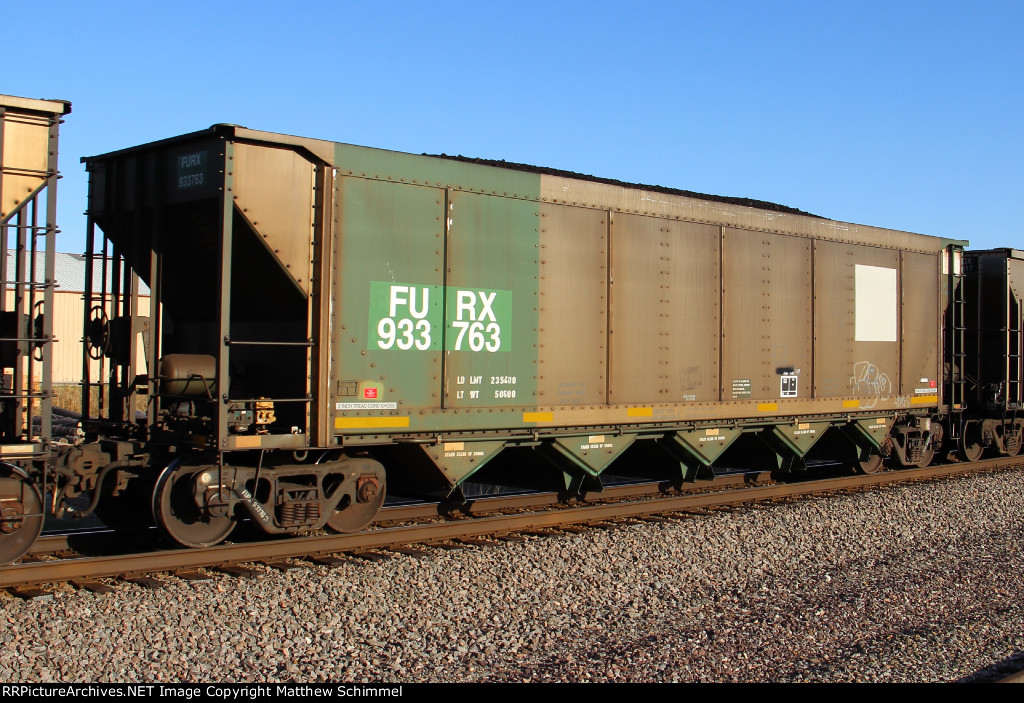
x=847 y=363
x=274 y=191
x=1015 y=271
x=572 y=191
x=920 y=315
x=573 y=316
x=766 y=316
x=664 y=311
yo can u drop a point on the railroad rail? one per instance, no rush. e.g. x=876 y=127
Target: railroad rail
x=523 y=516
x=391 y=516
x=1017 y=677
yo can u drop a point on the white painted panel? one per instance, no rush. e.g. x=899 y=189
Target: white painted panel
x=876 y=304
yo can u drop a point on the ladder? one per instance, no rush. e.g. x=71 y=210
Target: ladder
x=955 y=339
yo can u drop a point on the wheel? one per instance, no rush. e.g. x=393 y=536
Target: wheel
x=130 y=510
x=355 y=515
x=970 y=448
x=926 y=458
x=177 y=512
x=21 y=514
x=870 y=463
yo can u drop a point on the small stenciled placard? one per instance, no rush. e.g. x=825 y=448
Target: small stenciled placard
x=367 y=406
x=788 y=385
x=741 y=388
x=596 y=442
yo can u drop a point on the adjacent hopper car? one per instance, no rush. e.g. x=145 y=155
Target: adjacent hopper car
x=331 y=322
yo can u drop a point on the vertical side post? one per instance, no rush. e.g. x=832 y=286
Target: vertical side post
x=20 y=385
x=49 y=281
x=155 y=314
x=224 y=291
x=87 y=297
x=320 y=309
x=4 y=231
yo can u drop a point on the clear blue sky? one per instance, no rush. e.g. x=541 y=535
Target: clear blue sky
x=898 y=114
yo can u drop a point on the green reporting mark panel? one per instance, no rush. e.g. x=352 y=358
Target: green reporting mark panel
x=389 y=302
x=491 y=302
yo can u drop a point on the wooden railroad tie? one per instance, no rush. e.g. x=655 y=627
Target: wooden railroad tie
x=285 y=566
x=91 y=586
x=31 y=593
x=144 y=581
x=236 y=570
x=328 y=560
x=409 y=551
x=369 y=556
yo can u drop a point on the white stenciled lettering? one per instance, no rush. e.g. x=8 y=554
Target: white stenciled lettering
x=494 y=341
x=465 y=305
x=486 y=301
x=407 y=317
x=403 y=334
x=256 y=507
x=408 y=330
x=397 y=299
x=423 y=341
x=401 y=296
x=476 y=336
x=425 y=298
x=405 y=328
x=386 y=332
x=194 y=179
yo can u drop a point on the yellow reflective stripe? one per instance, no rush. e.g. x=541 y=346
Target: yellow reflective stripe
x=351 y=423
x=538 y=417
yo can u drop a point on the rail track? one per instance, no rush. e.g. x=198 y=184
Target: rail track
x=80 y=558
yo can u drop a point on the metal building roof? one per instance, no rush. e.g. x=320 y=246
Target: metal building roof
x=69 y=272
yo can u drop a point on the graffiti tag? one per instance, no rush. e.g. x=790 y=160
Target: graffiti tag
x=868 y=381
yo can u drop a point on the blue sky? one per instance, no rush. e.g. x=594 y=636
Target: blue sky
x=897 y=114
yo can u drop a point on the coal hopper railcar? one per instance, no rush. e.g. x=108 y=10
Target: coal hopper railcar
x=329 y=323
x=330 y=318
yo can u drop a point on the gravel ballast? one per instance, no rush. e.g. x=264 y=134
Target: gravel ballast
x=912 y=583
